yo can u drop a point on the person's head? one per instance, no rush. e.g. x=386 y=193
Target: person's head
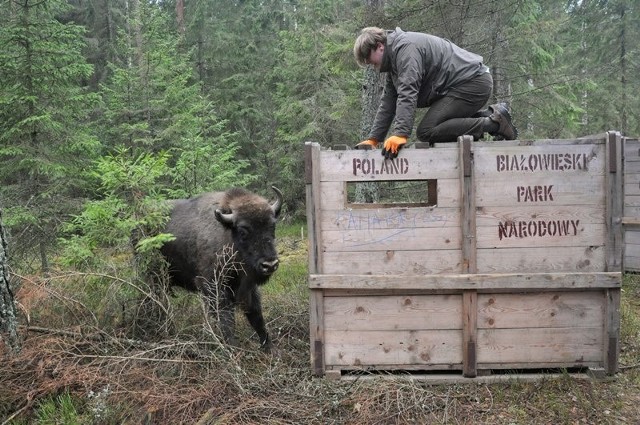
x=369 y=46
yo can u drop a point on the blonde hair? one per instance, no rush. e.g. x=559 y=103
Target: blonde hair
x=367 y=42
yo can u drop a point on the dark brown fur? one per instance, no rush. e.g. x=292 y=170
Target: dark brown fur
x=207 y=228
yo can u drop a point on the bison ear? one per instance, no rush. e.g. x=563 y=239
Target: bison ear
x=225 y=219
x=277 y=205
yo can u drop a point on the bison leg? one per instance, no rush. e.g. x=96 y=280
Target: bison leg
x=221 y=302
x=227 y=319
x=253 y=312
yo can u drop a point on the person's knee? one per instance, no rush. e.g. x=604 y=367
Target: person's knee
x=424 y=134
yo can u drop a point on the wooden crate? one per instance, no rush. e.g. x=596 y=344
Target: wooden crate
x=631 y=212
x=510 y=261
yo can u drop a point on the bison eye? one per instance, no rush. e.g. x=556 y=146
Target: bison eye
x=242 y=232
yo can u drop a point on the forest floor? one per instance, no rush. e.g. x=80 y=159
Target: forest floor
x=87 y=368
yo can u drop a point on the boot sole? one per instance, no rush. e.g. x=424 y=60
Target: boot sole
x=505 y=112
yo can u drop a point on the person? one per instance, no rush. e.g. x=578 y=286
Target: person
x=428 y=71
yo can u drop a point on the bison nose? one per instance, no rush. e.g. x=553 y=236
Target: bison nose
x=269 y=267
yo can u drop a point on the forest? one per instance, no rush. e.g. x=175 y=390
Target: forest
x=103 y=102
x=108 y=107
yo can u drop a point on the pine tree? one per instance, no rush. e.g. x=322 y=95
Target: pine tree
x=44 y=146
x=154 y=104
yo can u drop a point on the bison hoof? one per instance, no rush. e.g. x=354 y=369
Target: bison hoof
x=266 y=347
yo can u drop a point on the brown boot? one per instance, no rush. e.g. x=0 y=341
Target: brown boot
x=501 y=116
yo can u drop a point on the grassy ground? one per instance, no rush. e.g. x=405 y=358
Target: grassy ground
x=82 y=363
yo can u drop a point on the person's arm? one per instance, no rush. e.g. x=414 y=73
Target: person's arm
x=410 y=76
x=386 y=112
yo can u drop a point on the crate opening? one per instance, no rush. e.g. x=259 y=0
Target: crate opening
x=395 y=193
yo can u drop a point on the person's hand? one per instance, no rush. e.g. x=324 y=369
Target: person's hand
x=392 y=146
x=367 y=144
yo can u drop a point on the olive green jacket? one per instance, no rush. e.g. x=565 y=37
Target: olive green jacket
x=421 y=68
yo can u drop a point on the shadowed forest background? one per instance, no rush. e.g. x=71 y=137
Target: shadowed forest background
x=104 y=102
x=108 y=107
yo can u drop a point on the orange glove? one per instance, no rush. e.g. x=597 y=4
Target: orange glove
x=367 y=144
x=393 y=145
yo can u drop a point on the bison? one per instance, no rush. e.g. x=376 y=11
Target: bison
x=224 y=247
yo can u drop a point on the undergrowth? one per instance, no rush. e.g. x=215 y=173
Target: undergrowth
x=80 y=363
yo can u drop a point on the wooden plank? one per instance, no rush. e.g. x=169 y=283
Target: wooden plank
x=631 y=201
x=631 y=150
x=553 y=161
x=334 y=196
x=393 y=313
x=542 y=233
x=538 y=226
x=534 y=259
x=456 y=379
x=317 y=331
x=529 y=346
x=632 y=237
x=316 y=320
x=411 y=239
x=632 y=251
x=393 y=262
x=631 y=182
x=581 y=189
x=614 y=201
x=631 y=264
x=369 y=165
x=588 y=140
x=611 y=343
x=379 y=348
x=632 y=167
x=470 y=333
x=480 y=282
x=389 y=218
x=402 y=368
x=577 y=309
x=468 y=219
x=469 y=258
x=631 y=216
x=313 y=199
x=541 y=364
x=586 y=214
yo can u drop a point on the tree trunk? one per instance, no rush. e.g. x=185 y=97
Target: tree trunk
x=371 y=91
x=180 y=16
x=499 y=48
x=8 y=319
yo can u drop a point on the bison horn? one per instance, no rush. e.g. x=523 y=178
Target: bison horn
x=223 y=218
x=275 y=207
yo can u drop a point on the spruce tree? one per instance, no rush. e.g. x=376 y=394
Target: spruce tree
x=44 y=146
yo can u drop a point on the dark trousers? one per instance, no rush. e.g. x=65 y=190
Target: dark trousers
x=458 y=113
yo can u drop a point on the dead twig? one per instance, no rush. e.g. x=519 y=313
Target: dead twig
x=16 y=413
x=633 y=366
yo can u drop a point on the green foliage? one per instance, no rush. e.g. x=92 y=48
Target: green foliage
x=132 y=207
x=58 y=410
x=44 y=144
x=206 y=156
x=128 y=177
x=153 y=103
x=154 y=243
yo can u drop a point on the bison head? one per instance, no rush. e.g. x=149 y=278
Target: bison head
x=252 y=222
